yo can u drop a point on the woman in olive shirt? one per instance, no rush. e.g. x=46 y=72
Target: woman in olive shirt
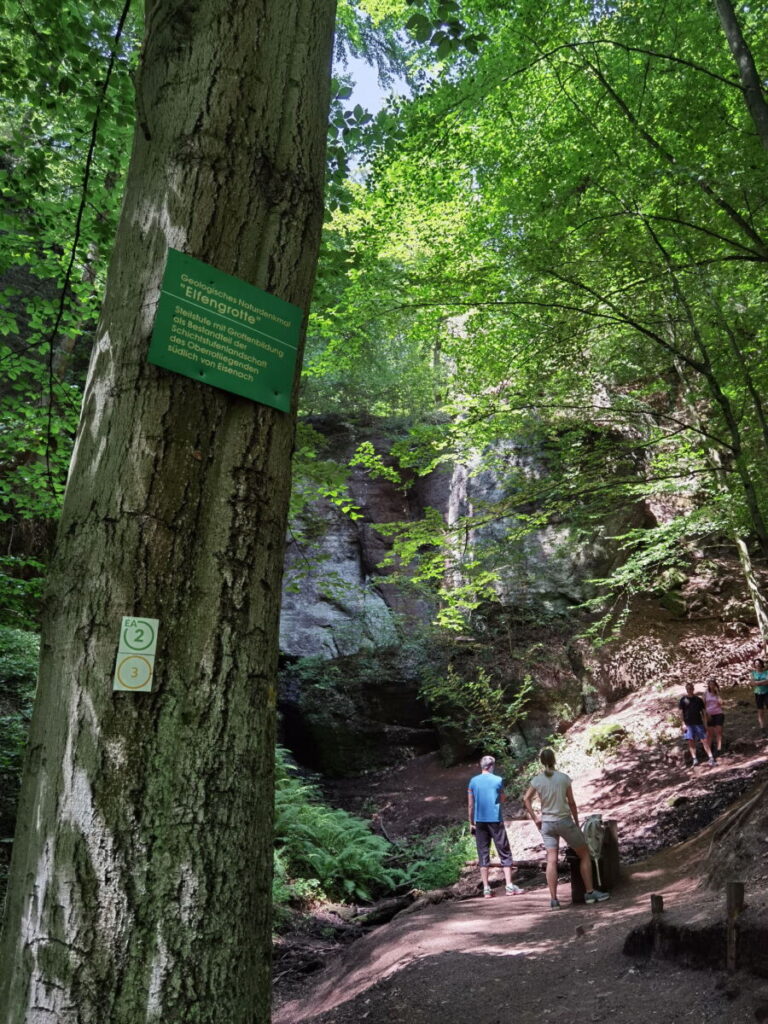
x=559 y=819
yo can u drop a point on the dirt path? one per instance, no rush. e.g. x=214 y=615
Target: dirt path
x=511 y=958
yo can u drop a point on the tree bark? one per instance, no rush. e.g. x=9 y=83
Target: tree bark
x=754 y=97
x=753 y=586
x=140 y=884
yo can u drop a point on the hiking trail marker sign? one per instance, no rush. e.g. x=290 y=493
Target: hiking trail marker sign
x=135 y=665
x=219 y=330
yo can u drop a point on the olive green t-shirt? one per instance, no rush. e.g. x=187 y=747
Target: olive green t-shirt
x=552 y=789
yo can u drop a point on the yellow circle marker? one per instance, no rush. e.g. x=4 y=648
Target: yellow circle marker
x=134 y=672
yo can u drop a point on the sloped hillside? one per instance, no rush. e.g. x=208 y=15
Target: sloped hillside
x=683 y=833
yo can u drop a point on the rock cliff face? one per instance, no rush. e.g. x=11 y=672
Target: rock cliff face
x=545 y=571
x=345 y=699
x=356 y=712
x=337 y=600
x=357 y=647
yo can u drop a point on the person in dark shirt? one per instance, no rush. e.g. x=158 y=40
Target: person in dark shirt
x=694 y=713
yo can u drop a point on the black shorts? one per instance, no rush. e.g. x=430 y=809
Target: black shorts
x=717 y=719
x=485 y=831
x=761 y=699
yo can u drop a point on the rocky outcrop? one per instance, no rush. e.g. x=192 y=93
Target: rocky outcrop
x=345 y=702
x=350 y=694
x=331 y=606
x=354 y=713
x=337 y=599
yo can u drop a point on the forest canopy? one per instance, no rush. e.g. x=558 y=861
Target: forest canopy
x=568 y=244
x=557 y=237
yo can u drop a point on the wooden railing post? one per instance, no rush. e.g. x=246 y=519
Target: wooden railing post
x=734 y=904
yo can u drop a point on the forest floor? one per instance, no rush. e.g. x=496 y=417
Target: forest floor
x=684 y=832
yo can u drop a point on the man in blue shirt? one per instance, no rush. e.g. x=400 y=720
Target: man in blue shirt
x=485 y=795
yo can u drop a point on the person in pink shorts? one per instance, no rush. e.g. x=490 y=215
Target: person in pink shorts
x=715 y=717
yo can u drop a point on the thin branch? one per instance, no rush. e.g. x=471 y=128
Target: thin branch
x=630 y=321
x=751 y=255
x=683 y=425
x=78 y=228
x=668 y=157
x=577 y=43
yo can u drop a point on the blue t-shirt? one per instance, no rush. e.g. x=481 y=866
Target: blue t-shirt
x=485 y=790
x=760 y=681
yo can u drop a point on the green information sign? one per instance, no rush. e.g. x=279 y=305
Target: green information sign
x=224 y=332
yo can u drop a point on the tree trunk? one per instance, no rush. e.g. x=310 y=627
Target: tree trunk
x=140 y=885
x=745 y=561
x=754 y=97
x=753 y=586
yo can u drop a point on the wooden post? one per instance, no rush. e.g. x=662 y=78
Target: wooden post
x=734 y=903
x=657 y=909
x=610 y=862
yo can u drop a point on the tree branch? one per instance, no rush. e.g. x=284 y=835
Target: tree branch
x=706 y=188
x=78 y=227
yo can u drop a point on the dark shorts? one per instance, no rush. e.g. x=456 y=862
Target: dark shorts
x=716 y=719
x=761 y=699
x=485 y=831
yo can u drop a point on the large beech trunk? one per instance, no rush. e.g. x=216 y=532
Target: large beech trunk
x=140 y=886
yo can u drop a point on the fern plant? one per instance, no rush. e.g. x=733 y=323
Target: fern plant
x=322 y=851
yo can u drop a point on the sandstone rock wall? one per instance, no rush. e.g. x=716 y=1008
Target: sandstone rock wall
x=348 y=694
x=337 y=600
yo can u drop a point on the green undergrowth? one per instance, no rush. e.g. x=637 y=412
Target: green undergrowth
x=485 y=711
x=18 y=673
x=323 y=854
x=435 y=861
x=605 y=738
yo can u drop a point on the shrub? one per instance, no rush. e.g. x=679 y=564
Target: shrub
x=483 y=710
x=18 y=672
x=19 y=651
x=21 y=587
x=435 y=861
x=604 y=738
